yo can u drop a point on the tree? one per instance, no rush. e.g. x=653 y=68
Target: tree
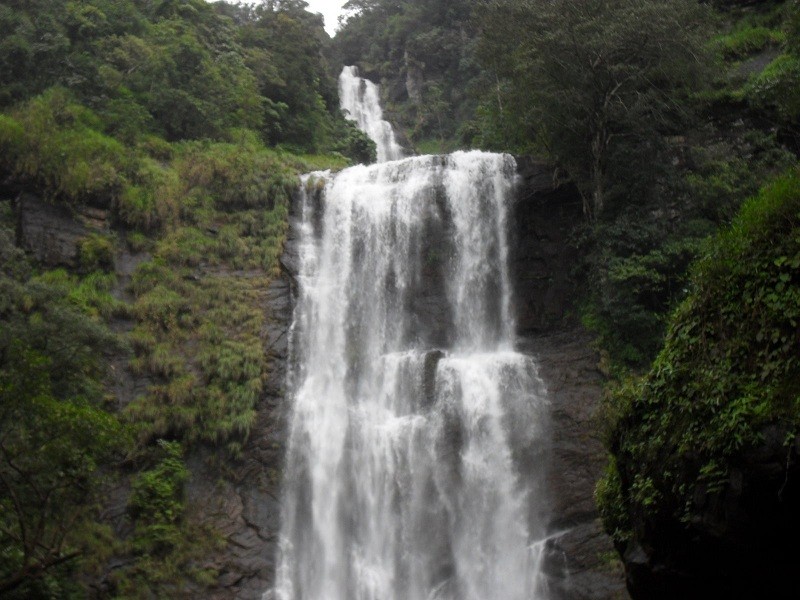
x=50 y=453
x=588 y=81
x=55 y=439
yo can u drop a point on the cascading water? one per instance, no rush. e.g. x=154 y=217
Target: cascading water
x=411 y=471
x=360 y=99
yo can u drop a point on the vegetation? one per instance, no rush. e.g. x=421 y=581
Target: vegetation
x=727 y=372
x=666 y=116
x=166 y=547
x=623 y=98
x=595 y=84
x=56 y=437
x=187 y=123
x=423 y=53
x=728 y=368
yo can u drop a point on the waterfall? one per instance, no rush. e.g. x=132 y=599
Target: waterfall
x=417 y=431
x=360 y=99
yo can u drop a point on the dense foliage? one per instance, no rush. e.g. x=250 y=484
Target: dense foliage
x=182 y=69
x=55 y=435
x=596 y=84
x=729 y=368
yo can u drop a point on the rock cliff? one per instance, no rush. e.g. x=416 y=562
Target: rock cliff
x=240 y=500
x=581 y=560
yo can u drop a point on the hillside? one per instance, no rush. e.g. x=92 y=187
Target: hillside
x=148 y=152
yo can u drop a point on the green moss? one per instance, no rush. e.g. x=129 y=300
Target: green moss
x=747 y=41
x=306 y=163
x=435 y=146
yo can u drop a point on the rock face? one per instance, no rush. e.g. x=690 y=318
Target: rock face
x=243 y=507
x=52 y=232
x=739 y=539
x=582 y=563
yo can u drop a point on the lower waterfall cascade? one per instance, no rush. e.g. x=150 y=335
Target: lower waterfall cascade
x=418 y=436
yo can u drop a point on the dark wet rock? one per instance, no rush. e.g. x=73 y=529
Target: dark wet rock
x=581 y=563
x=52 y=232
x=432 y=359
x=736 y=542
x=540 y=255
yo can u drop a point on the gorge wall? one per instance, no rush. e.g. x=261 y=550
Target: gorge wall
x=581 y=562
x=241 y=502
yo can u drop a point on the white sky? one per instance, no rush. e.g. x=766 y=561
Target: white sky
x=330 y=9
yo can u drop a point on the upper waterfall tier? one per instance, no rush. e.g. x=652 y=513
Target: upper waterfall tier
x=360 y=98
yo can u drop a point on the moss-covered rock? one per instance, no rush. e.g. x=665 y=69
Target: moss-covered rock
x=703 y=489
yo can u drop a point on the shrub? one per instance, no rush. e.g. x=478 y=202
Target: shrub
x=96 y=253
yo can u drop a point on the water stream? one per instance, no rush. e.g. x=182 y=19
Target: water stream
x=416 y=432
x=360 y=100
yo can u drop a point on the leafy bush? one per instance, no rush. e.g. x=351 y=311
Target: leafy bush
x=96 y=253
x=157 y=504
x=166 y=546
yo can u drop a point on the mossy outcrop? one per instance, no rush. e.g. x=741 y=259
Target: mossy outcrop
x=702 y=492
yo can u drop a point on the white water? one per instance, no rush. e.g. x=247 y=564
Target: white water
x=412 y=455
x=360 y=98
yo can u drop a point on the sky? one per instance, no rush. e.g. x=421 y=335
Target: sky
x=330 y=9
